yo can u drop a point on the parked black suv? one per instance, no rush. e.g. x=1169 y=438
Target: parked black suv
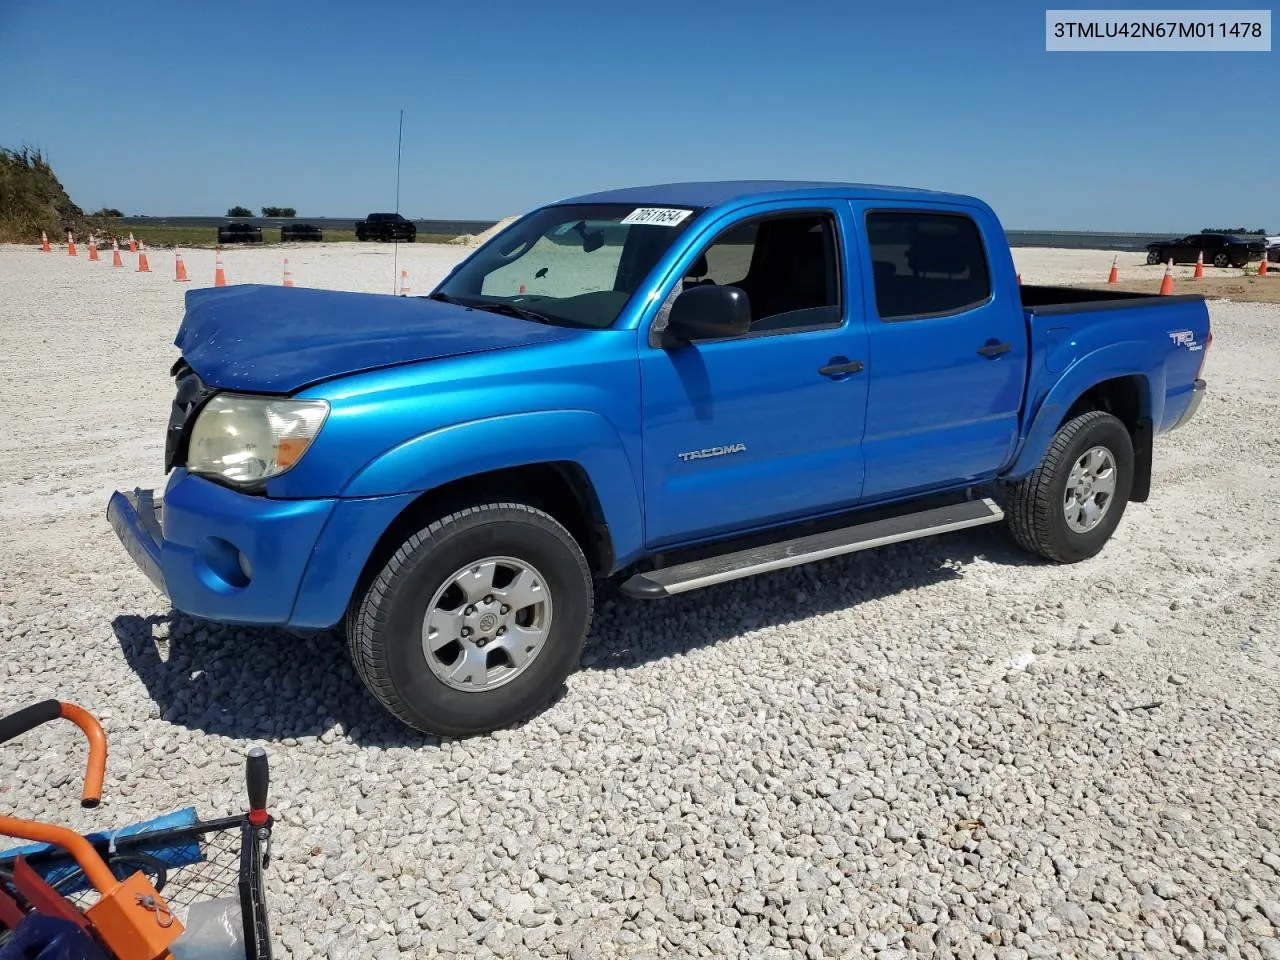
x=1220 y=249
x=300 y=231
x=386 y=226
x=239 y=233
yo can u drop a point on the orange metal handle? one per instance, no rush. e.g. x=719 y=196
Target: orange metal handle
x=32 y=716
x=96 y=768
x=95 y=870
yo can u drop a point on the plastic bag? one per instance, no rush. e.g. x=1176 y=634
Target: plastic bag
x=214 y=931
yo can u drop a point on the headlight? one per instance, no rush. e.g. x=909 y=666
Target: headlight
x=245 y=440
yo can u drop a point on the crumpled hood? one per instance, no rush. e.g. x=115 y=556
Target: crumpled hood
x=267 y=339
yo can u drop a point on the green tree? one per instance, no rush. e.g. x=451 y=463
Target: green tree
x=279 y=212
x=239 y=212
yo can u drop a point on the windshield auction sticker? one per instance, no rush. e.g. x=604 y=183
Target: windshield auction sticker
x=1136 y=31
x=656 y=216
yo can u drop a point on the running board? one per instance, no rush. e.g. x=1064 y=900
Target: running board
x=667 y=581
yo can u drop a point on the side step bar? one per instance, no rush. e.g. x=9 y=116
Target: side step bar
x=667 y=581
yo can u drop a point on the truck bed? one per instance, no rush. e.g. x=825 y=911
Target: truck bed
x=1047 y=301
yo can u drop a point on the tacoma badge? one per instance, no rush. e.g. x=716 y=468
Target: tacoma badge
x=713 y=452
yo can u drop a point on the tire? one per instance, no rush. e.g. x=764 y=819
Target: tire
x=386 y=625
x=1036 y=505
x=1221 y=260
x=1240 y=263
x=1153 y=257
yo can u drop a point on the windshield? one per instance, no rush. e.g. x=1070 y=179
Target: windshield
x=575 y=265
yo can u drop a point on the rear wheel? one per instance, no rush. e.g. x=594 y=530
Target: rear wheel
x=476 y=620
x=1153 y=256
x=1070 y=505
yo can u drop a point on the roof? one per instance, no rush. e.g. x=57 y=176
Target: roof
x=711 y=193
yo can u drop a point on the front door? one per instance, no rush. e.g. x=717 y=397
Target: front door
x=746 y=431
x=948 y=344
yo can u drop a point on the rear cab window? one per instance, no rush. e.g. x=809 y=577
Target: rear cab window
x=926 y=264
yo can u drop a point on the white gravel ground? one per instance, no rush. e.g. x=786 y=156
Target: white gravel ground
x=938 y=749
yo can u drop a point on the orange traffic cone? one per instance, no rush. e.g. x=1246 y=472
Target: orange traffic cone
x=1199 y=274
x=71 y=244
x=1115 y=270
x=404 y=283
x=219 y=275
x=44 y=241
x=93 y=247
x=1166 y=285
x=143 y=265
x=180 y=270
x=115 y=253
x=288 y=277
x=1263 y=267
x=133 y=244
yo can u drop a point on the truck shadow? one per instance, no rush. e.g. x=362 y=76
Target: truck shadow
x=275 y=685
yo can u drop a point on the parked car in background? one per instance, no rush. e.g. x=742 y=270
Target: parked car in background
x=239 y=233
x=1273 y=249
x=1220 y=249
x=386 y=226
x=300 y=231
x=751 y=377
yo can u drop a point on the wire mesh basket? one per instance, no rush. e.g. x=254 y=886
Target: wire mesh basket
x=213 y=860
x=137 y=890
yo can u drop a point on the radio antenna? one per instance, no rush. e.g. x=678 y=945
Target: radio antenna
x=395 y=262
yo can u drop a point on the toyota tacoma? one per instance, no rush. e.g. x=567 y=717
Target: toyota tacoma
x=674 y=386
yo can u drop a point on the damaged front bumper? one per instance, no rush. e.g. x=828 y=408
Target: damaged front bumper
x=137 y=520
x=218 y=553
x=232 y=557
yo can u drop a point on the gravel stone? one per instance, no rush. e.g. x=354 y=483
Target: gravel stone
x=1192 y=937
x=828 y=761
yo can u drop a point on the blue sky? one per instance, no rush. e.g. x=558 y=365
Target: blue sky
x=186 y=107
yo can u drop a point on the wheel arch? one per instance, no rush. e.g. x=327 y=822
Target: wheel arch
x=1115 y=385
x=1128 y=399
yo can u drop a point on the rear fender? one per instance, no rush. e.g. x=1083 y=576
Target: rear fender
x=456 y=452
x=1124 y=359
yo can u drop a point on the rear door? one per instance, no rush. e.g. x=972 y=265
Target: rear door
x=948 y=348
x=744 y=431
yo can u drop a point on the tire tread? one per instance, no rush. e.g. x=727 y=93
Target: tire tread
x=1031 y=502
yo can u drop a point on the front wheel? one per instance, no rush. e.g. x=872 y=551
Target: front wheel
x=476 y=620
x=1070 y=505
x=1221 y=260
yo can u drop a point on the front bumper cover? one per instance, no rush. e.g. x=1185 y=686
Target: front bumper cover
x=228 y=557
x=137 y=520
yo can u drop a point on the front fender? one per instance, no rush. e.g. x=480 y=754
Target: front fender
x=1125 y=359
x=480 y=446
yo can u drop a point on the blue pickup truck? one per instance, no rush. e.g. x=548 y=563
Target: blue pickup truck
x=674 y=386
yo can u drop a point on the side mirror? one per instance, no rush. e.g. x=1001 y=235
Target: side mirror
x=709 y=312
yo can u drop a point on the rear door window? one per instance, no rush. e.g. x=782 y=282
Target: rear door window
x=926 y=264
